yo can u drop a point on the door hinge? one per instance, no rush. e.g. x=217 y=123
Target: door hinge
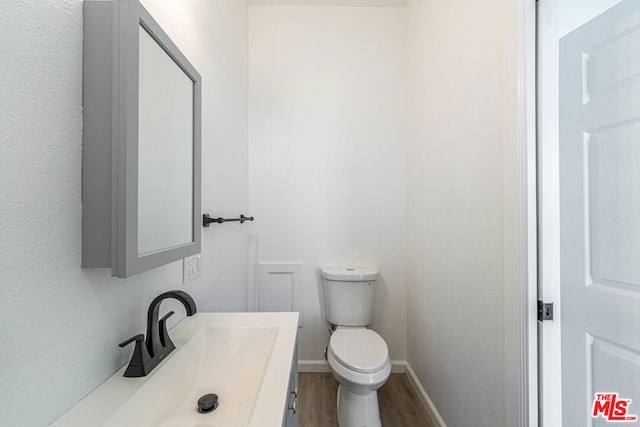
x=545 y=311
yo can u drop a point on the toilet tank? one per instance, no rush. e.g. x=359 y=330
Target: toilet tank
x=349 y=294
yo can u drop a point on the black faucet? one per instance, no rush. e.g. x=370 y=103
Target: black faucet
x=147 y=356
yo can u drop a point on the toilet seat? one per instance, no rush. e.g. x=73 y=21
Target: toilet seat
x=359 y=349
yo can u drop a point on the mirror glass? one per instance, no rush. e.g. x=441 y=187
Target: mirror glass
x=165 y=150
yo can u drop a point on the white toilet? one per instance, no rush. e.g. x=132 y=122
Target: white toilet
x=358 y=357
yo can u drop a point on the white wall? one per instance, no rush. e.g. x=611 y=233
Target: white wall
x=327 y=151
x=213 y=36
x=61 y=324
x=461 y=182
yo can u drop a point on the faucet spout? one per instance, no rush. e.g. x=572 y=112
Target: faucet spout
x=148 y=354
x=156 y=346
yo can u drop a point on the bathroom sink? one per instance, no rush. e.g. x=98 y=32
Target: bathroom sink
x=227 y=361
x=244 y=358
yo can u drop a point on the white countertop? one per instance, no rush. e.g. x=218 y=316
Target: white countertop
x=110 y=397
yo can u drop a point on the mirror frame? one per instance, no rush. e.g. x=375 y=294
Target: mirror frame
x=110 y=138
x=132 y=15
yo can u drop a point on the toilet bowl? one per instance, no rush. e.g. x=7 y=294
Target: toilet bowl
x=358 y=357
x=359 y=360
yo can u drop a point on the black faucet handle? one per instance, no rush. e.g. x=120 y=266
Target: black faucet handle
x=166 y=316
x=166 y=342
x=138 y=365
x=137 y=338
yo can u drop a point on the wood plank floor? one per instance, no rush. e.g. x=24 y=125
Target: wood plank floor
x=399 y=405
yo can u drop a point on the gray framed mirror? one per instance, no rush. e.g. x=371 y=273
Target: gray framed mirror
x=142 y=142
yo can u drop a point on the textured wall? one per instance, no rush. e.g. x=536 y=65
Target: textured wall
x=327 y=152
x=61 y=324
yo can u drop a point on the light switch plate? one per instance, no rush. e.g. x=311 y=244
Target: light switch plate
x=191 y=268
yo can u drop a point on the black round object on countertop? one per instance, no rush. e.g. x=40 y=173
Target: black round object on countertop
x=208 y=403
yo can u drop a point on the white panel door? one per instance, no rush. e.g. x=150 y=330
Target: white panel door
x=599 y=158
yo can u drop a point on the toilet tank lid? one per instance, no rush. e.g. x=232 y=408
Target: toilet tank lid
x=349 y=274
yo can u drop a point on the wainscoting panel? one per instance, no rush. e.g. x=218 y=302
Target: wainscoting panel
x=280 y=287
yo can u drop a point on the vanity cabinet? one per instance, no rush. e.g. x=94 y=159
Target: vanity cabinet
x=141 y=142
x=291 y=410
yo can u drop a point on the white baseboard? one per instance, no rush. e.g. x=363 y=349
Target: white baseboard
x=313 y=366
x=397 y=366
x=424 y=397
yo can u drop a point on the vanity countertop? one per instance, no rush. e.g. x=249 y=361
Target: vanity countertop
x=128 y=400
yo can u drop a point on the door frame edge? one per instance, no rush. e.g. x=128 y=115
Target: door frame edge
x=521 y=325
